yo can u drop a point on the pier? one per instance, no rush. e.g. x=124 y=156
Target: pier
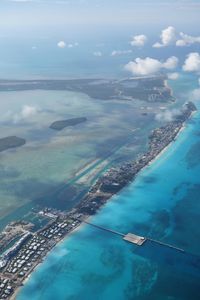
x=133 y=238
x=166 y=245
x=103 y=228
x=130 y=237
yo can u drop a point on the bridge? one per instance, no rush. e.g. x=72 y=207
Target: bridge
x=131 y=237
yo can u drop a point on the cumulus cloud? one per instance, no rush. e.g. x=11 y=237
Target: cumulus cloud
x=168 y=36
x=120 y=52
x=187 y=40
x=157 y=45
x=173 y=76
x=26 y=113
x=167 y=115
x=139 y=40
x=149 y=66
x=61 y=44
x=171 y=63
x=97 y=53
x=192 y=63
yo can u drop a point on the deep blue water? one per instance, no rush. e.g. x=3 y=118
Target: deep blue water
x=162 y=203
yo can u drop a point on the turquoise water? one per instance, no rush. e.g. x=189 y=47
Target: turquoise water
x=162 y=203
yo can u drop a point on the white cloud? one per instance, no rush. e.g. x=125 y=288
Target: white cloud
x=97 y=53
x=61 y=44
x=187 y=40
x=192 y=62
x=120 y=52
x=26 y=113
x=171 y=63
x=139 y=40
x=168 y=36
x=157 y=45
x=167 y=115
x=173 y=76
x=149 y=66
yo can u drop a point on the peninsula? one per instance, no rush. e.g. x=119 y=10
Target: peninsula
x=11 y=142
x=149 y=89
x=31 y=247
x=59 y=125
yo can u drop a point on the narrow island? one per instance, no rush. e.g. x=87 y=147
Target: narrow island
x=31 y=247
x=11 y=142
x=59 y=125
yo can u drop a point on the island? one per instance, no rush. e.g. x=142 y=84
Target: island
x=150 y=88
x=20 y=259
x=11 y=142
x=59 y=125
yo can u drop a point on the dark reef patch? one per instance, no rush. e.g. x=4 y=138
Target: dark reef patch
x=149 y=179
x=112 y=257
x=179 y=190
x=160 y=223
x=186 y=216
x=193 y=156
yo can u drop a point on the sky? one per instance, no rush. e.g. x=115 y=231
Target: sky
x=19 y=16
x=79 y=36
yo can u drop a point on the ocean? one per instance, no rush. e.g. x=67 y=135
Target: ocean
x=163 y=204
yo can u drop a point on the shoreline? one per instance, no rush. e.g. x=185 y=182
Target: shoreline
x=105 y=196
x=28 y=276
x=167 y=146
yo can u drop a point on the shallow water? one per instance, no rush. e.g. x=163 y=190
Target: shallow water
x=163 y=204
x=39 y=173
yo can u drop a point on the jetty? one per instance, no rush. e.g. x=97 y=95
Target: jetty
x=103 y=228
x=166 y=245
x=132 y=238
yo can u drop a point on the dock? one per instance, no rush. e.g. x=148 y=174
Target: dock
x=134 y=239
x=103 y=228
x=131 y=237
